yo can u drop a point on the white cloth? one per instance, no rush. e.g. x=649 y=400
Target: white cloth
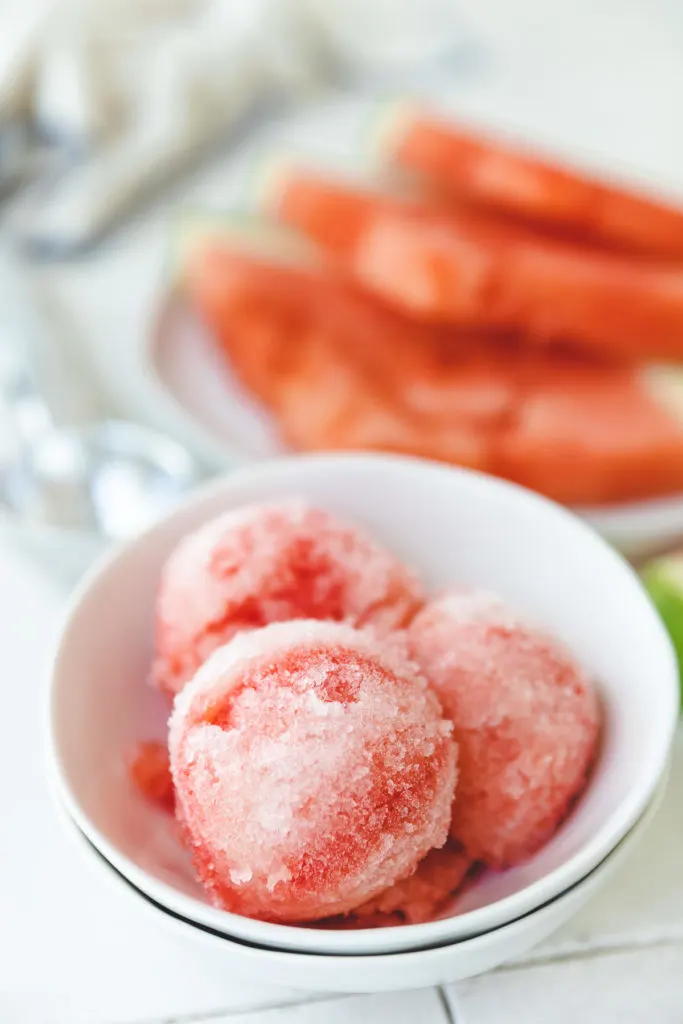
x=140 y=85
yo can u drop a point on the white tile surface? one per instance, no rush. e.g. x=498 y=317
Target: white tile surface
x=621 y=988
x=424 y=1007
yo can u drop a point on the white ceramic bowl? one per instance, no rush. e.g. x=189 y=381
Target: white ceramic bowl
x=387 y=972
x=452 y=526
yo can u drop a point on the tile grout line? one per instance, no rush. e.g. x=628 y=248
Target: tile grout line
x=220 y=1014
x=215 y=1015
x=446 y=1006
x=593 y=953
x=576 y=955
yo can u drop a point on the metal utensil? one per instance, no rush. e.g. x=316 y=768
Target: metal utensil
x=73 y=485
x=73 y=491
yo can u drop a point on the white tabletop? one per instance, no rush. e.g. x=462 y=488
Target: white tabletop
x=603 y=75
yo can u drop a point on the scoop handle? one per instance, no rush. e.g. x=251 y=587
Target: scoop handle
x=45 y=379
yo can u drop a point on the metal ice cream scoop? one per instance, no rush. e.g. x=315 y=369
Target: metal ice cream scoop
x=74 y=482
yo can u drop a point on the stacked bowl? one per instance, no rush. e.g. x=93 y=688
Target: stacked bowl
x=450 y=525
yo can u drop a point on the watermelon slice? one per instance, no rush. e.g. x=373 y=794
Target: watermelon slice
x=195 y=230
x=593 y=435
x=337 y=370
x=503 y=176
x=456 y=267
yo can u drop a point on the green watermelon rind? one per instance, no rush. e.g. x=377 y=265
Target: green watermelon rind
x=249 y=232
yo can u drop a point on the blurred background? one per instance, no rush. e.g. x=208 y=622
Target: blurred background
x=254 y=226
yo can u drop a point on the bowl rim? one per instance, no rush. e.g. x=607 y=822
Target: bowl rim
x=615 y=857
x=471 y=922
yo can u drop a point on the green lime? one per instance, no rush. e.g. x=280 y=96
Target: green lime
x=663 y=579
